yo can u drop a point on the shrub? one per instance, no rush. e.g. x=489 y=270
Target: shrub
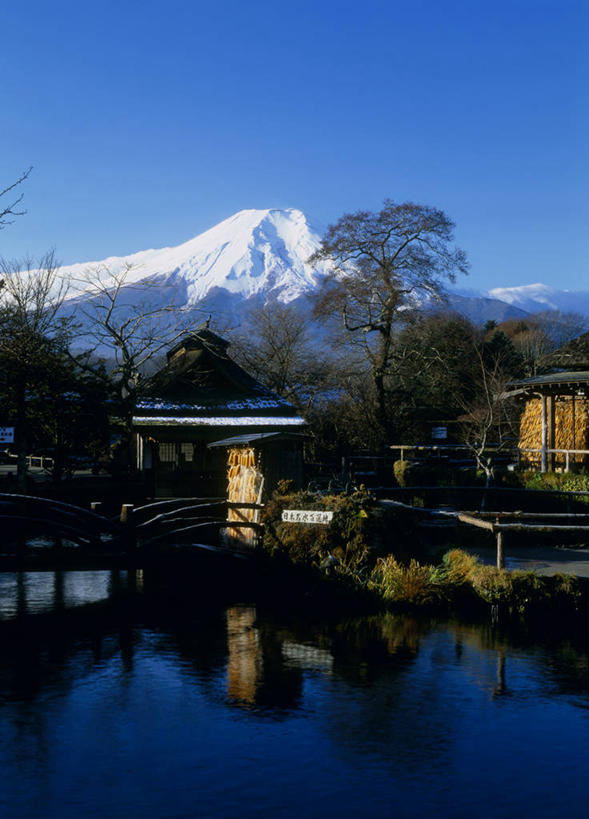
x=356 y=532
x=414 y=584
x=401 y=470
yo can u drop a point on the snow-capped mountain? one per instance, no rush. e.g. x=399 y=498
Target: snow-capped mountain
x=534 y=298
x=253 y=253
x=257 y=257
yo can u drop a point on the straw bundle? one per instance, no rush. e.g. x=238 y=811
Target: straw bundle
x=245 y=483
x=530 y=435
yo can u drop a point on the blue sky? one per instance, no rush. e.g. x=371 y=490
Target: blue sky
x=147 y=123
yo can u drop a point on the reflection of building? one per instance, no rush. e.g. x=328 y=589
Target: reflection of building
x=257 y=673
x=245 y=658
x=309 y=658
x=201 y=396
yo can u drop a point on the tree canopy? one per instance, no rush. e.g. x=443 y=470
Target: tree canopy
x=384 y=264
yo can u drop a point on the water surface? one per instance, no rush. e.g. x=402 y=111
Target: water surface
x=178 y=706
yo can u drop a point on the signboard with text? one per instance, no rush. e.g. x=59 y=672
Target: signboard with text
x=307 y=516
x=6 y=435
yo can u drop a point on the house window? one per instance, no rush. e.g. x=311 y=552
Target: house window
x=187 y=451
x=167 y=453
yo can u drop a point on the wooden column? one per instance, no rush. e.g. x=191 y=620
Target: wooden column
x=500 y=550
x=544 y=460
x=574 y=423
x=551 y=437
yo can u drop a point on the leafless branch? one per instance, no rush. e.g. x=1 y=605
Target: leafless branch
x=10 y=209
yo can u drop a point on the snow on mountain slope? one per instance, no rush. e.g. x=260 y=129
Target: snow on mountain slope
x=254 y=252
x=262 y=256
x=534 y=298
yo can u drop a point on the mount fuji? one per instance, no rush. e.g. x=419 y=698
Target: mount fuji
x=257 y=257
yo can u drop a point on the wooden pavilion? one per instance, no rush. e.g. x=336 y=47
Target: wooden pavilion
x=554 y=429
x=201 y=396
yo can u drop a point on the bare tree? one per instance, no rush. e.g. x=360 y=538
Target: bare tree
x=276 y=346
x=541 y=333
x=127 y=326
x=490 y=419
x=382 y=264
x=31 y=332
x=10 y=208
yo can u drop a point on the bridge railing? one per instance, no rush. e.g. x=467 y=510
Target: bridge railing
x=25 y=515
x=159 y=523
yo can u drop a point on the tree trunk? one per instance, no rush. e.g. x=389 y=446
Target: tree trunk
x=379 y=373
x=21 y=440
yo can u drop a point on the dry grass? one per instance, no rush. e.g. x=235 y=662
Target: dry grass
x=415 y=584
x=530 y=436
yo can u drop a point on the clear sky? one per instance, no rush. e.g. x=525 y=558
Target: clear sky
x=147 y=123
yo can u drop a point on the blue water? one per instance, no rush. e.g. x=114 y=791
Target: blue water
x=185 y=709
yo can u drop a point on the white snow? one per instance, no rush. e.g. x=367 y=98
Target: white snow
x=162 y=405
x=252 y=252
x=218 y=421
x=538 y=297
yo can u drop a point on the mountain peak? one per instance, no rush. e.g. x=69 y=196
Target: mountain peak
x=252 y=252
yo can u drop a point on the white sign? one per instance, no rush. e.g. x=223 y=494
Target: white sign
x=6 y=435
x=306 y=516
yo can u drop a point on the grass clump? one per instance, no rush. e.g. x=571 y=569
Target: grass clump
x=413 y=584
x=515 y=592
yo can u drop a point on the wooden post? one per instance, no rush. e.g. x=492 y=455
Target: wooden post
x=126 y=519
x=551 y=417
x=573 y=421
x=544 y=461
x=500 y=552
x=126 y=512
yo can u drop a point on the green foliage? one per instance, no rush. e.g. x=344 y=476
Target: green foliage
x=518 y=592
x=360 y=538
x=562 y=481
x=462 y=576
x=356 y=530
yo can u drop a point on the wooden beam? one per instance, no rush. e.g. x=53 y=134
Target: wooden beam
x=539 y=527
x=475 y=521
x=503 y=515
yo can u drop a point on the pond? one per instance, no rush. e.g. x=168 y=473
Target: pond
x=120 y=697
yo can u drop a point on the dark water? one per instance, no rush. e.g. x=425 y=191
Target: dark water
x=172 y=707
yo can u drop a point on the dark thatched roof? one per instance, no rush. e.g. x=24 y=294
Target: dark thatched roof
x=200 y=380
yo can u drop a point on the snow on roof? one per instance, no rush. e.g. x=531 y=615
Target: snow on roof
x=161 y=405
x=218 y=421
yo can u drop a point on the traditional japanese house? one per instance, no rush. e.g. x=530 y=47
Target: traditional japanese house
x=554 y=429
x=201 y=396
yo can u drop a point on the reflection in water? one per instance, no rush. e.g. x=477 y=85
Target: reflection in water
x=23 y=593
x=257 y=673
x=244 y=667
x=159 y=711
